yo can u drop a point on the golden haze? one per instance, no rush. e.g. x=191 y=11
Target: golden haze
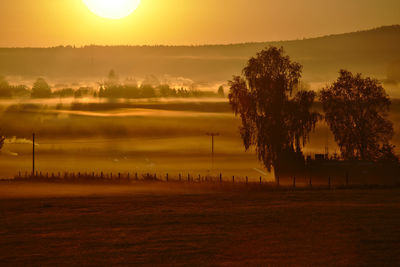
x=69 y=22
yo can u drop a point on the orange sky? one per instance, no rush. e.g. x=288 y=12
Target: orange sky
x=69 y=22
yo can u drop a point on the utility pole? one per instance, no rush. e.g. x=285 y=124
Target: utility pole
x=212 y=146
x=33 y=155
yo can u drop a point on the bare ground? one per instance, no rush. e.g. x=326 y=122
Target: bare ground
x=61 y=225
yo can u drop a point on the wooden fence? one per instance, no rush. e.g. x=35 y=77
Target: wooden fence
x=129 y=178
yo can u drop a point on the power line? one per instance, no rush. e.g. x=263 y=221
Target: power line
x=212 y=147
x=33 y=154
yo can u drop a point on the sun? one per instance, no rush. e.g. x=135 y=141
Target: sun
x=112 y=9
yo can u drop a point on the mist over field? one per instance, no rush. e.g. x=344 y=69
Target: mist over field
x=88 y=133
x=374 y=53
x=138 y=135
x=150 y=136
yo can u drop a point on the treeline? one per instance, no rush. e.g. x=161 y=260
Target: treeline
x=111 y=88
x=149 y=91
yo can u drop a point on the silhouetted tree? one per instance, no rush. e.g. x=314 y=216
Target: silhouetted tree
x=182 y=92
x=221 y=91
x=113 y=79
x=101 y=91
x=356 y=112
x=41 y=89
x=82 y=91
x=77 y=94
x=5 y=88
x=386 y=154
x=2 y=140
x=20 y=91
x=166 y=91
x=147 y=91
x=65 y=92
x=275 y=119
x=8 y=91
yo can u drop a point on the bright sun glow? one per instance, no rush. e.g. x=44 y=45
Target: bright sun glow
x=112 y=9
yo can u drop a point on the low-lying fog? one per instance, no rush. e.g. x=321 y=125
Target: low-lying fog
x=146 y=135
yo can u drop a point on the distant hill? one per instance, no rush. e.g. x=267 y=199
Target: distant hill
x=369 y=52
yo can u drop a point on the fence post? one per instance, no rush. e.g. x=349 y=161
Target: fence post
x=247 y=180
x=167 y=177
x=136 y=176
x=188 y=177
x=233 y=179
x=220 y=177
x=199 y=178
x=180 y=177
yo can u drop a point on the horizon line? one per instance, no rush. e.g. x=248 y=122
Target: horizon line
x=201 y=45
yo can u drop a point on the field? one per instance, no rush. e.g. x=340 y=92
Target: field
x=175 y=225
x=148 y=135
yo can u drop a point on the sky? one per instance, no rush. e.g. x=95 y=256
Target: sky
x=44 y=23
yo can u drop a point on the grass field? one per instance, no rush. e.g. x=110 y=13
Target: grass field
x=156 y=136
x=175 y=225
x=150 y=135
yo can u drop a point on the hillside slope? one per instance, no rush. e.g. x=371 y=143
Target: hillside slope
x=370 y=52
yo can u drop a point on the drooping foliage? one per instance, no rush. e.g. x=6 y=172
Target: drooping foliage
x=276 y=115
x=356 y=112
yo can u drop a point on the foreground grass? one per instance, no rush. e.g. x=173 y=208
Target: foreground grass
x=66 y=225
